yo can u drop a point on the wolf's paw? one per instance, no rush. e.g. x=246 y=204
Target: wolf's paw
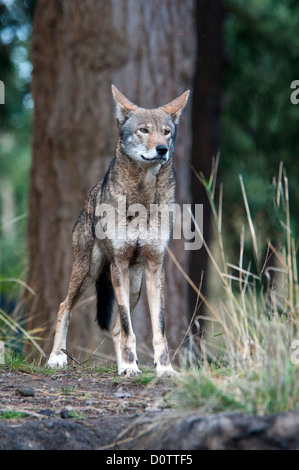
x=165 y=372
x=57 y=361
x=129 y=371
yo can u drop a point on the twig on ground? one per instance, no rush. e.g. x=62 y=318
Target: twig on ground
x=71 y=357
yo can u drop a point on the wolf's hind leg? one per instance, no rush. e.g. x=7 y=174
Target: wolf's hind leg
x=114 y=329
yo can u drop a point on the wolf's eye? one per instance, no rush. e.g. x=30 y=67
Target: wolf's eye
x=143 y=130
x=166 y=132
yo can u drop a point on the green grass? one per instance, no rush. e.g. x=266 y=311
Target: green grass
x=73 y=415
x=145 y=378
x=196 y=390
x=68 y=390
x=17 y=361
x=12 y=414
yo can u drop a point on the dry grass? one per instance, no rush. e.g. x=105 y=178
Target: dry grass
x=248 y=361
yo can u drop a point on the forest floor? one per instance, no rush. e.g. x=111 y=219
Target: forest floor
x=80 y=408
x=76 y=408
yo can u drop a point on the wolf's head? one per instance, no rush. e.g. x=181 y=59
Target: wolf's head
x=148 y=135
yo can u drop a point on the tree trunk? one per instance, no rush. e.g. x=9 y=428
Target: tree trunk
x=205 y=126
x=80 y=47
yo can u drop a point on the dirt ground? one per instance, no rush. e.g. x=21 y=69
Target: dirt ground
x=87 y=409
x=75 y=408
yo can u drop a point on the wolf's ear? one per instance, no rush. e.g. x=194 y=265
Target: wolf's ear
x=175 y=107
x=123 y=107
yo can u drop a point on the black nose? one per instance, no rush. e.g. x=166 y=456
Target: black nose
x=161 y=150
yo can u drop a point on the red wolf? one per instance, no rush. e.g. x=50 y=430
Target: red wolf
x=141 y=175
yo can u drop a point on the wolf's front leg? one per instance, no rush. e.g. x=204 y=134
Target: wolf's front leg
x=122 y=331
x=57 y=357
x=155 y=291
x=79 y=281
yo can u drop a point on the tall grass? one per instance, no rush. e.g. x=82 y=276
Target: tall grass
x=246 y=354
x=13 y=333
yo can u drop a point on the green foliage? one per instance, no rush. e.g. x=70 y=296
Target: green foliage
x=259 y=123
x=15 y=134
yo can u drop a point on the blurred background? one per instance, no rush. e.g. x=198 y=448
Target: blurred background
x=58 y=134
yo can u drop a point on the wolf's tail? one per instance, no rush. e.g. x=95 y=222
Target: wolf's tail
x=105 y=299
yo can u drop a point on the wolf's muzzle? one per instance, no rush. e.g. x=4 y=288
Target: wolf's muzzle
x=161 y=154
x=161 y=150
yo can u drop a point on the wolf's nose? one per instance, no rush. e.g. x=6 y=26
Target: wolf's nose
x=161 y=150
